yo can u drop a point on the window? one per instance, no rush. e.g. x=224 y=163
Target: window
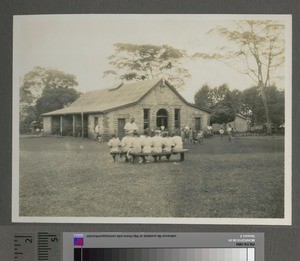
x=146 y=118
x=177 y=118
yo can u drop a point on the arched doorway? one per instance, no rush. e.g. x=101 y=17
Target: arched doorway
x=162 y=118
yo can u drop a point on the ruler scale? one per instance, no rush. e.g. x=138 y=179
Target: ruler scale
x=48 y=246
x=38 y=246
x=24 y=246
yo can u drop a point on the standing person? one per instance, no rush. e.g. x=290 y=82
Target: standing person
x=114 y=144
x=200 y=136
x=177 y=142
x=229 y=132
x=157 y=142
x=190 y=135
x=221 y=131
x=131 y=126
x=209 y=130
x=195 y=133
x=186 y=132
x=97 y=133
x=182 y=134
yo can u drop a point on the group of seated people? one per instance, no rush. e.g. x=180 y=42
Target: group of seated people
x=133 y=143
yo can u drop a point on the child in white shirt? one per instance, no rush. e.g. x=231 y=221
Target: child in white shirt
x=177 y=141
x=157 y=142
x=114 y=144
x=167 y=145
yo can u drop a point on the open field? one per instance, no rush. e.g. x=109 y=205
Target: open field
x=73 y=177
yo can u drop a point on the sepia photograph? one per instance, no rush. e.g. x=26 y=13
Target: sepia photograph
x=152 y=119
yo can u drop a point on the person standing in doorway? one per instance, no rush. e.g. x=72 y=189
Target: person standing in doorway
x=97 y=133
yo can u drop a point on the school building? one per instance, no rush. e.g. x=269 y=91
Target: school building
x=153 y=103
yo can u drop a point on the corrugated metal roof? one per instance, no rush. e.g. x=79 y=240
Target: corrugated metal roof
x=107 y=99
x=118 y=96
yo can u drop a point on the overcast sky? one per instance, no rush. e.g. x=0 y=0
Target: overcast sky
x=80 y=45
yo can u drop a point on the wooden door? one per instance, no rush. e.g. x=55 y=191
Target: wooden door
x=198 y=123
x=121 y=125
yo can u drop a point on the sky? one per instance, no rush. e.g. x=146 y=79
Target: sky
x=81 y=44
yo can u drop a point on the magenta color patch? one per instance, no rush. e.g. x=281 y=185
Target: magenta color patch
x=78 y=241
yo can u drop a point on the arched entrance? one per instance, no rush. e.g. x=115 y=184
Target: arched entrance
x=162 y=118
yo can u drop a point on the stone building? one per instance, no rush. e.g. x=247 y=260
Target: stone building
x=152 y=103
x=240 y=124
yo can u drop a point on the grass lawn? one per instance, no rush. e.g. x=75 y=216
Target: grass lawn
x=73 y=177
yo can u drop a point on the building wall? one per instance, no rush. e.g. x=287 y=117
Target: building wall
x=67 y=125
x=47 y=125
x=239 y=125
x=158 y=98
x=91 y=124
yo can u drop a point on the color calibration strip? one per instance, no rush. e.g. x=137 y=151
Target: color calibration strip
x=164 y=254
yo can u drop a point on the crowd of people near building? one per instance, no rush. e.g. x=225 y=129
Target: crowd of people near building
x=155 y=142
x=150 y=143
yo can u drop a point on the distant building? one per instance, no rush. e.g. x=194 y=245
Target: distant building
x=153 y=103
x=240 y=124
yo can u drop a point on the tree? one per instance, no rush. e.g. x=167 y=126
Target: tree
x=225 y=104
x=253 y=105
x=254 y=48
x=35 y=81
x=203 y=97
x=38 y=82
x=53 y=99
x=223 y=112
x=276 y=106
x=140 y=62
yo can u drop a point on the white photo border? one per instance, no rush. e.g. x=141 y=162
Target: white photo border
x=287 y=220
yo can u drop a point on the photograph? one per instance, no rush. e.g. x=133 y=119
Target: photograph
x=168 y=119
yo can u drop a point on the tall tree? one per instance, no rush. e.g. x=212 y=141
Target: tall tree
x=255 y=48
x=140 y=62
x=39 y=82
x=35 y=81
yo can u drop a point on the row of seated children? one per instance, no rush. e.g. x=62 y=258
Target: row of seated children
x=135 y=144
